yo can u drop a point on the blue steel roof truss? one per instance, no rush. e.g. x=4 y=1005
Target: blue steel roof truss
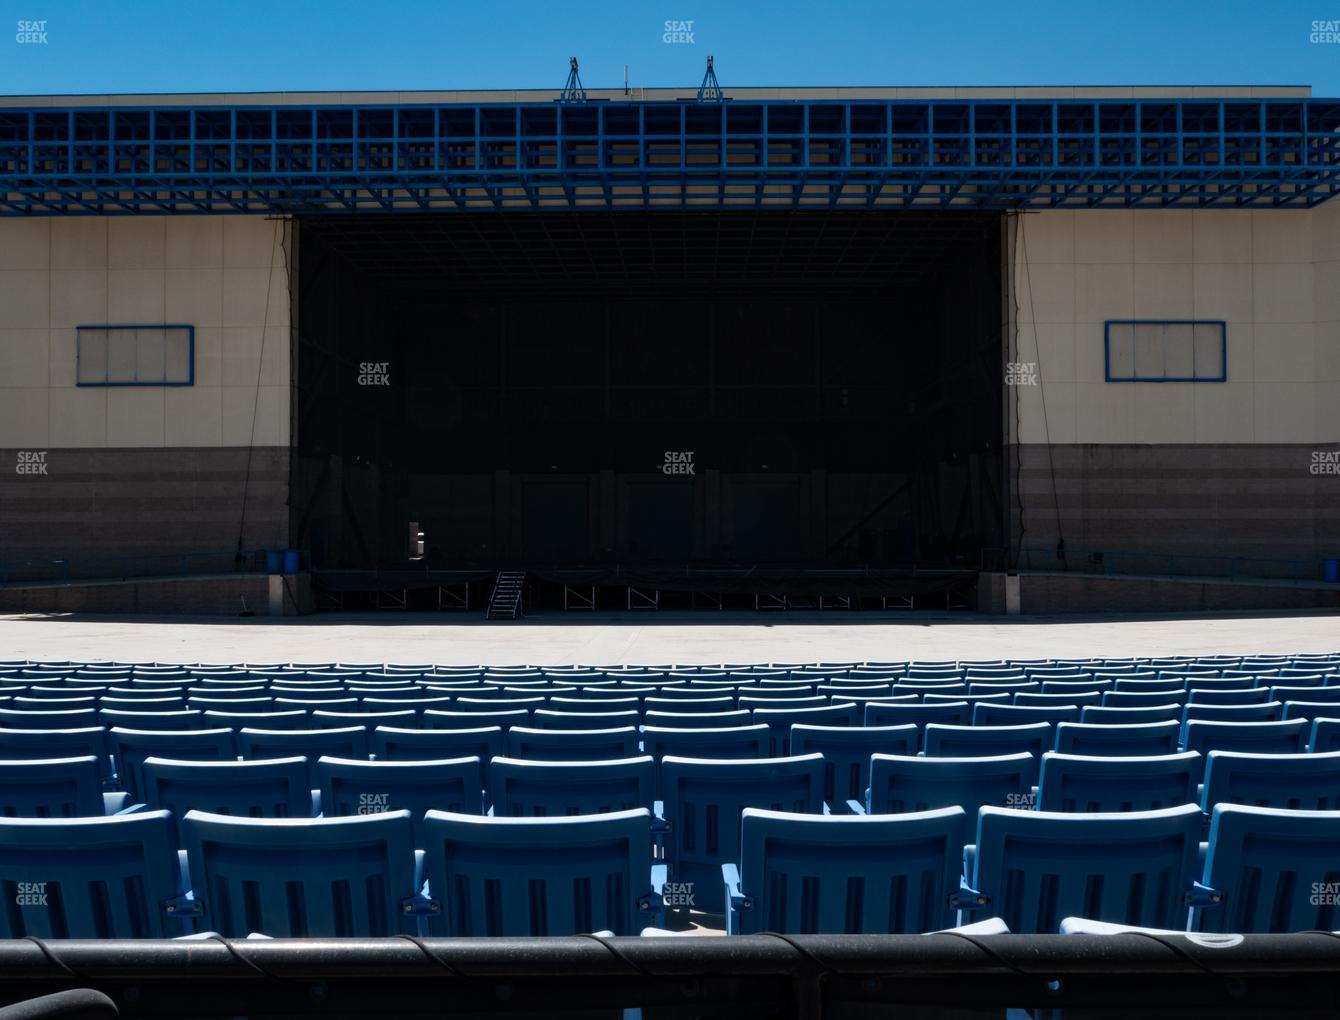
x=979 y=154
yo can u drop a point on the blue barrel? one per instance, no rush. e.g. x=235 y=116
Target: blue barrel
x=1330 y=571
x=290 y=561
x=273 y=561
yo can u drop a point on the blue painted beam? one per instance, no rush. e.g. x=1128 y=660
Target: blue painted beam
x=978 y=154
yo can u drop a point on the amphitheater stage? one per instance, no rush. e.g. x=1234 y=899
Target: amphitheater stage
x=664 y=637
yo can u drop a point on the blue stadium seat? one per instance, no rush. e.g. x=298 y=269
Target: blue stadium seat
x=351 y=787
x=291 y=720
x=347 y=742
x=519 y=788
x=130 y=748
x=1102 y=740
x=1141 y=699
x=1033 y=868
x=780 y=720
x=1284 y=737
x=391 y=743
x=186 y=719
x=1103 y=715
x=901 y=783
x=21 y=745
x=572 y=745
x=991 y=714
x=548 y=719
x=56 y=788
x=1270 y=870
x=90 y=878
x=816 y=874
x=1229 y=696
x=1266 y=711
x=540 y=876
x=326 y=719
x=988 y=741
x=689 y=706
x=76 y=718
x=1325 y=734
x=1311 y=710
x=734 y=742
x=1129 y=783
x=1310 y=694
x=436 y=719
x=1307 y=782
x=952 y=713
x=273 y=788
x=847 y=751
x=698 y=720
x=703 y=799
x=301 y=878
x=1078 y=698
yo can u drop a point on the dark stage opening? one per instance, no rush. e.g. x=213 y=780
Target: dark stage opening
x=643 y=388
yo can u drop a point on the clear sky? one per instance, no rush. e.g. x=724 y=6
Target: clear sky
x=103 y=46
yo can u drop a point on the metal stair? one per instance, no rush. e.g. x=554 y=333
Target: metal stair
x=505 y=602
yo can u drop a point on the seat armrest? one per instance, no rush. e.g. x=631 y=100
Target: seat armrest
x=855 y=807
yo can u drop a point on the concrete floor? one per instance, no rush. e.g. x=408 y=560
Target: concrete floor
x=660 y=638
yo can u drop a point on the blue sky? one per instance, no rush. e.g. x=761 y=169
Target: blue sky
x=242 y=45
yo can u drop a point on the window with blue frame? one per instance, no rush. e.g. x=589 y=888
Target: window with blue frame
x=1165 y=350
x=148 y=355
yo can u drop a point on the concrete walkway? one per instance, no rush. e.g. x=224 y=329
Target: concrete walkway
x=656 y=638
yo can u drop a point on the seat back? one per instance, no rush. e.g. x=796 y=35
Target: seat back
x=780 y=720
x=51 y=788
x=817 y=874
x=185 y=719
x=704 y=797
x=131 y=747
x=300 y=878
x=32 y=745
x=951 y=713
x=992 y=741
x=292 y=720
x=1261 y=712
x=548 y=719
x=901 y=783
x=1284 y=737
x=1035 y=868
x=57 y=719
x=537 y=789
x=1071 y=782
x=847 y=751
x=732 y=742
x=275 y=788
x=987 y=713
x=1299 y=782
x=1325 y=733
x=346 y=742
x=1130 y=716
x=1276 y=870
x=571 y=745
x=89 y=878
x=390 y=743
x=538 y=876
x=1110 y=741
x=353 y=787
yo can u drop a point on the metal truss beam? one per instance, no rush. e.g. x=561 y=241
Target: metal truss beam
x=949 y=154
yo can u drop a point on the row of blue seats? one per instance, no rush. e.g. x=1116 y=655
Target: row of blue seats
x=790 y=872
x=1059 y=683
x=1195 y=663
x=272 y=785
x=986 y=709
x=847 y=749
